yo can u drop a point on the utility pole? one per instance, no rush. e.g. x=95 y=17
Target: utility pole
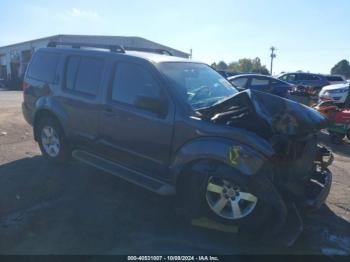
x=273 y=55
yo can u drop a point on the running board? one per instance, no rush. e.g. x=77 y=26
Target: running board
x=125 y=173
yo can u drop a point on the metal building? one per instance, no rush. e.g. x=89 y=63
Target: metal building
x=15 y=58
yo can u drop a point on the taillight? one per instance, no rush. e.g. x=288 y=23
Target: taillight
x=25 y=85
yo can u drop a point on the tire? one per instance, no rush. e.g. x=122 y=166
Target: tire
x=251 y=220
x=52 y=141
x=348 y=134
x=336 y=138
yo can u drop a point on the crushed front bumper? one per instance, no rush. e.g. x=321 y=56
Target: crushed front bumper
x=289 y=207
x=318 y=189
x=319 y=184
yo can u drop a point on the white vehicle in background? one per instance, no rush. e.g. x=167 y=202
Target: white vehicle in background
x=336 y=93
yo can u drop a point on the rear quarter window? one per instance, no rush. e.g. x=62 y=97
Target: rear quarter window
x=43 y=67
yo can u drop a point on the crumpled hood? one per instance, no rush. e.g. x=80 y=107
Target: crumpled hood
x=261 y=111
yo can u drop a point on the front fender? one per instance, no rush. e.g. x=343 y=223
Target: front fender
x=241 y=157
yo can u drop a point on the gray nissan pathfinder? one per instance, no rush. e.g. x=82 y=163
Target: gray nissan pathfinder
x=177 y=127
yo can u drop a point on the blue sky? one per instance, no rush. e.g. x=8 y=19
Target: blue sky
x=310 y=35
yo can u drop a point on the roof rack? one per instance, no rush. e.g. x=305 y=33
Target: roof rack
x=112 y=48
x=151 y=50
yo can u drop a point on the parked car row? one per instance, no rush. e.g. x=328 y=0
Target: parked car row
x=261 y=83
x=324 y=87
x=308 y=83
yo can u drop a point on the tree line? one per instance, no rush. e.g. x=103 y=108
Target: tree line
x=244 y=65
x=342 y=68
x=247 y=65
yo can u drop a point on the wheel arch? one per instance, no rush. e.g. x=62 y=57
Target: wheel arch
x=40 y=114
x=48 y=107
x=200 y=166
x=205 y=154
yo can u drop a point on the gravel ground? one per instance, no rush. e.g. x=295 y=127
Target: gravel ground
x=75 y=209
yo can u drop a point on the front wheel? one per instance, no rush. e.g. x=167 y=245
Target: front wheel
x=52 y=141
x=336 y=138
x=229 y=200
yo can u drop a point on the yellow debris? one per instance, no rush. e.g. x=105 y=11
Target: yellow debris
x=210 y=224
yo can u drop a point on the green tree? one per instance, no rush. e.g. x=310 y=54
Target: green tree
x=221 y=66
x=247 y=65
x=341 y=68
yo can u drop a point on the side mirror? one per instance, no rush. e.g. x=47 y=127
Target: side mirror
x=151 y=104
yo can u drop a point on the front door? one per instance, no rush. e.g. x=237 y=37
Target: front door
x=129 y=134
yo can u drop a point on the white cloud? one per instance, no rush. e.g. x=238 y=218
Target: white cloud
x=76 y=13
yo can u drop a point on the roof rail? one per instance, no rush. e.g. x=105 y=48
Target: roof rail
x=151 y=50
x=112 y=48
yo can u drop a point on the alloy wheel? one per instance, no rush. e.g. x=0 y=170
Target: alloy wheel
x=227 y=200
x=50 y=141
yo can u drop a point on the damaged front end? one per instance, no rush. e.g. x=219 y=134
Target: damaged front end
x=296 y=177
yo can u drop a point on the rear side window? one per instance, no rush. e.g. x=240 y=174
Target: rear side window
x=131 y=81
x=240 y=82
x=334 y=78
x=259 y=81
x=43 y=67
x=71 y=71
x=308 y=77
x=276 y=82
x=84 y=74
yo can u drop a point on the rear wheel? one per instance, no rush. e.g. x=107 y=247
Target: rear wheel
x=52 y=141
x=348 y=134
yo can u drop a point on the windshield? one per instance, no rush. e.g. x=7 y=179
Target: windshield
x=198 y=84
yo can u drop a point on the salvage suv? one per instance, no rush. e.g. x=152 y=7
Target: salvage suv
x=177 y=127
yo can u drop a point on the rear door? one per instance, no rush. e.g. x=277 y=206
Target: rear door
x=129 y=134
x=80 y=96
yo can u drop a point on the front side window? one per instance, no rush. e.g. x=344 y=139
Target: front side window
x=132 y=81
x=290 y=77
x=43 y=67
x=198 y=84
